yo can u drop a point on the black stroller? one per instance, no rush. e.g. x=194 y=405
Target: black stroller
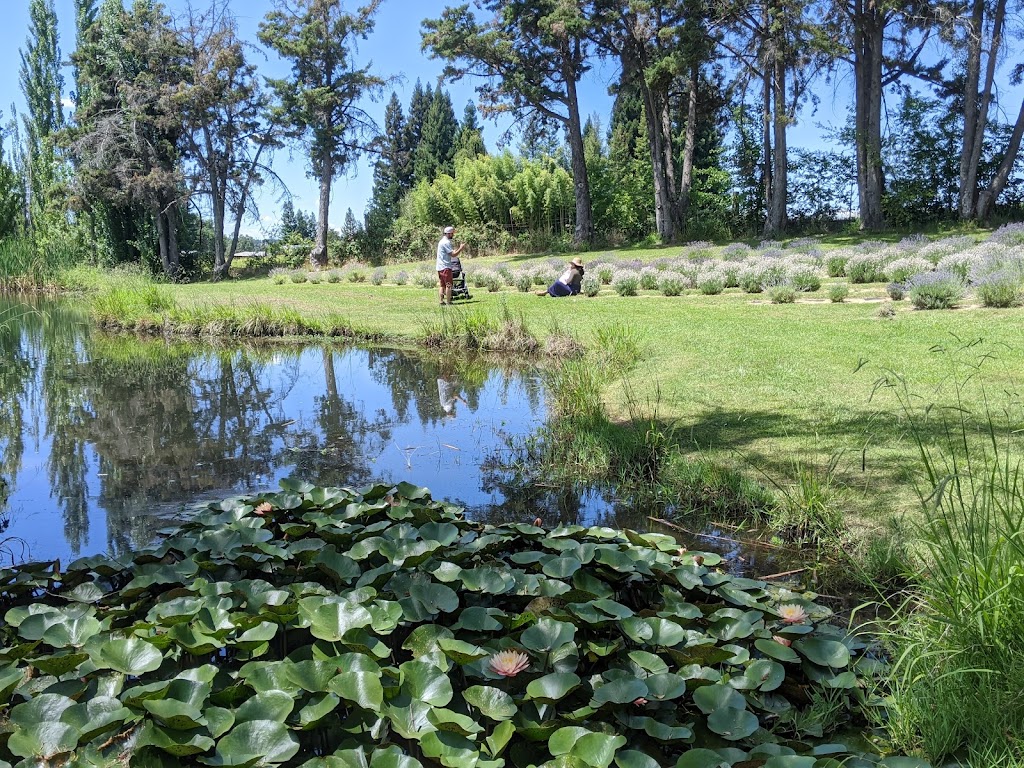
x=460 y=289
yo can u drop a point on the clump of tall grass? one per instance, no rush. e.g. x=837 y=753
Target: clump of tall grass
x=958 y=642
x=507 y=333
x=124 y=305
x=808 y=511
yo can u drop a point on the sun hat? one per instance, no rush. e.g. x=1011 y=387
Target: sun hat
x=449 y=230
x=578 y=262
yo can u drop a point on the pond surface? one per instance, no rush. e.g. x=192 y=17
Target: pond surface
x=105 y=439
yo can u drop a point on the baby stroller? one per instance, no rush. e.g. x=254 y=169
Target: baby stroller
x=460 y=290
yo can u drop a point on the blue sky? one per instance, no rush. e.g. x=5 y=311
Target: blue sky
x=394 y=50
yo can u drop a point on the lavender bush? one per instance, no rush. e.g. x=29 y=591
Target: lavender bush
x=935 y=290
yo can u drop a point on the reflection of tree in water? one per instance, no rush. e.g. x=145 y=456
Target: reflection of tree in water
x=412 y=380
x=16 y=371
x=334 y=450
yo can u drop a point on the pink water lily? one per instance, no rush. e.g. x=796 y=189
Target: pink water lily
x=509 y=663
x=791 y=613
x=782 y=640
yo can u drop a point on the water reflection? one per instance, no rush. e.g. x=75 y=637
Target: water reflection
x=103 y=438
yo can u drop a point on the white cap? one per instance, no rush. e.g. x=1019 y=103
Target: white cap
x=449 y=230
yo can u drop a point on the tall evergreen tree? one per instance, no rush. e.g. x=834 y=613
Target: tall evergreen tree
x=10 y=194
x=419 y=105
x=435 y=153
x=288 y=222
x=320 y=100
x=389 y=175
x=42 y=84
x=470 y=141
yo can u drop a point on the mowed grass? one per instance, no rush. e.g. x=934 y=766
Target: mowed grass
x=744 y=382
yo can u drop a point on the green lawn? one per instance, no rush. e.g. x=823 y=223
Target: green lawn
x=744 y=381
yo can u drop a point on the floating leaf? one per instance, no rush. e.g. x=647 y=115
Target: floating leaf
x=548 y=634
x=492 y=702
x=257 y=741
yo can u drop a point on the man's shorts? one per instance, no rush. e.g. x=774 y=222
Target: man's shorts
x=445 y=276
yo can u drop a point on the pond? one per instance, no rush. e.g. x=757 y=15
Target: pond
x=105 y=439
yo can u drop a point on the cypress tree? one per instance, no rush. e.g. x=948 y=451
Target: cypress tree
x=419 y=105
x=391 y=174
x=41 y=83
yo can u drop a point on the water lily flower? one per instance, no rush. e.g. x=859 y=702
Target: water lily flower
x=263 y=508
x=641 y=702
x=509 y=663
x=791 y=613
x=782 y=640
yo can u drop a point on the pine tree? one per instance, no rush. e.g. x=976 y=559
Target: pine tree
x=41 y=83
x=288 y=221
x=435 y=153
x=321 y=96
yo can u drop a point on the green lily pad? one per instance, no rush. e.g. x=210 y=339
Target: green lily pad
x=264 y=742
x=133 y=656
x=362 y=688
x=827 y=653
x=733 y=724
x=624 y=691
x=43 y=740
x=492 y=702
x=553 y=687
x=548 y=634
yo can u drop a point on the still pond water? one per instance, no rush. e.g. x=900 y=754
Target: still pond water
x=103 y=439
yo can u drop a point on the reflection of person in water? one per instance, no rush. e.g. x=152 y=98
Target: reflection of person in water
x=448 y=392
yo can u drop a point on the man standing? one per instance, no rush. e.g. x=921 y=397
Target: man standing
x=445 y=251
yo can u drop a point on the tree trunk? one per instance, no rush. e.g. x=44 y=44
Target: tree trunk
x=173 y=251
x=689 y=145
x=584 y=232
x=987 y=199
x=972 y=73
x=775 y=221
x=319 y=254
x=766 y=137
x=869 y=28
x=969 y=182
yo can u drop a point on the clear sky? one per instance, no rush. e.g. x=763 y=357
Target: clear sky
x=394 y=50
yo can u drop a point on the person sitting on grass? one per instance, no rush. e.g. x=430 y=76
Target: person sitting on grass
x=568 y=284
x=445 y=252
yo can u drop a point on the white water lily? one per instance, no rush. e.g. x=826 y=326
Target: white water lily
x=792 y=613
x=509 y=663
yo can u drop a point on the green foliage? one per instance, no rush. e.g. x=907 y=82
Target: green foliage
x=782 y=294
x=626 y=284
x=381 y=626
x=835 y=264
x=958 y=643
x=935 y=290
x=837 y=292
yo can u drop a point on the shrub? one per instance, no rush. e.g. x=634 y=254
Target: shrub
x=896 y=291
x=591 y=285
x=356 y=276
x=960 y=264
x=524 y=283
x=901 y=270
x=428 y=280
x=626 y=284
x=1001 y=288
x=935 y=290
x=887 y=311
x=867 y=267
x=672 y=284
x=540 y=277
x=494 y=283
x=481 y=277
x=710 y=284
x=298 y=276
x=782 y=294
x=1009 y=234
x=750 y=279
x=401 y=278
x=378 y=276
x=314 y=278
x=805 y=278
x=334 y=276
x=649 y=278
x=736 y=251
x=505 y=272
x=730 y=274
x=835 y=264
x=605 y=274
x=838 y=292
x=279 y=276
